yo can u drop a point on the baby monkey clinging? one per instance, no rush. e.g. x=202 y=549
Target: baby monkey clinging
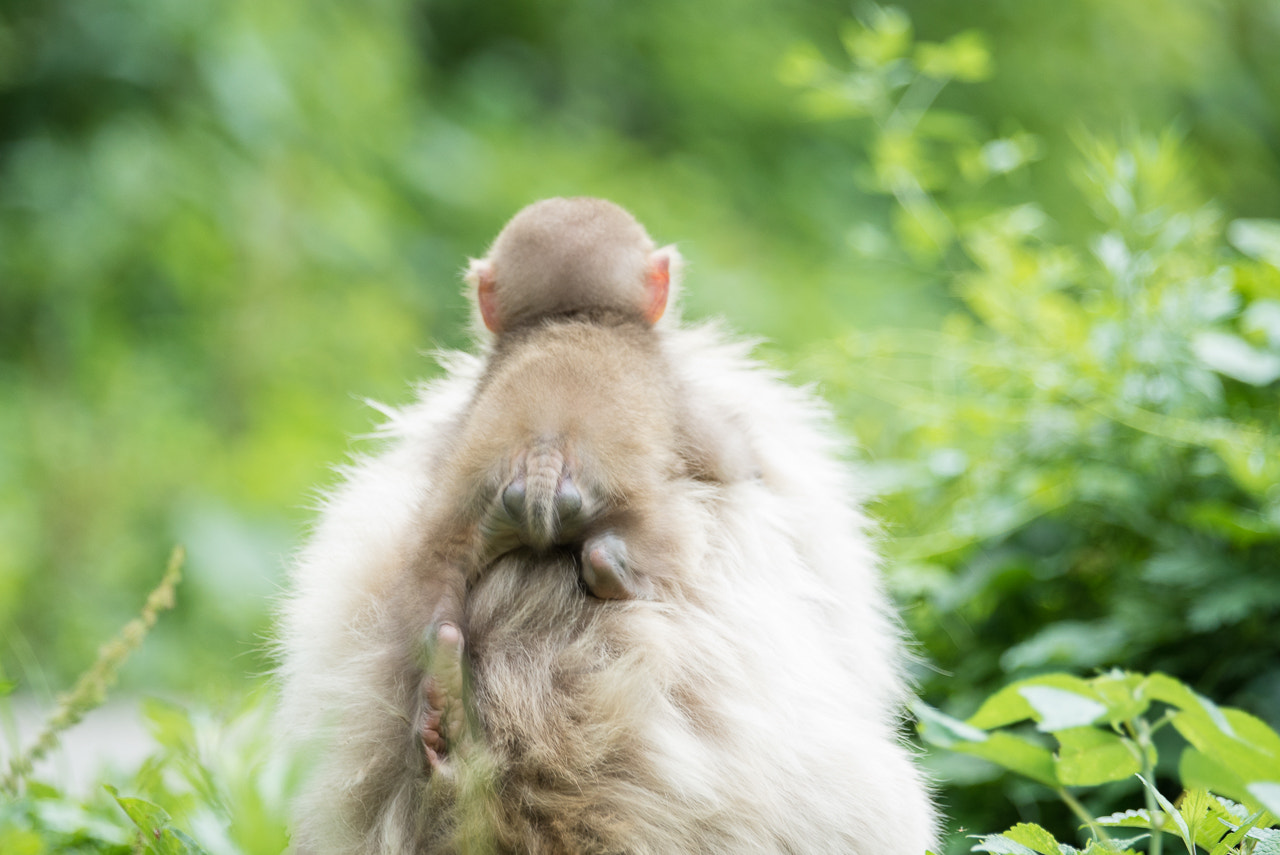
x=578 y=430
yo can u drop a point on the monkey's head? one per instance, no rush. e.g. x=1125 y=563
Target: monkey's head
x=560 y=256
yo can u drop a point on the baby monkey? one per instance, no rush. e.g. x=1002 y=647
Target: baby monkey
x=577 y=433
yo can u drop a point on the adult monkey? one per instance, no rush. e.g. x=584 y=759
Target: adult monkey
x=751 y=707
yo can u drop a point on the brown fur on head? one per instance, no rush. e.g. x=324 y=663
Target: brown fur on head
x=561 y=256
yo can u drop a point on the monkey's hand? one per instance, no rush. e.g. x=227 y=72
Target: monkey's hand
x=607 y=570
x=443 y=713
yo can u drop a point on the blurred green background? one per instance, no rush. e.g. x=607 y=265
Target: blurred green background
x=1027 y=250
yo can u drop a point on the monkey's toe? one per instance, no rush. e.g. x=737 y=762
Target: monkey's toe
x=567 y=502
x=513 y=500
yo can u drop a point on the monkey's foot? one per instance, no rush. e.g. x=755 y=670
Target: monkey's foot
x=606 y=569
x=443 y=714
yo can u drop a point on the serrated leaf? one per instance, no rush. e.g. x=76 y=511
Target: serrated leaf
x=1268 y=841
x=998 y=844
x=1096 y=848
x=1089 y=756
x=1227 y=845
x=1201 y=812
x=1140 y=818
x=1034 y=837
x=1170 y=811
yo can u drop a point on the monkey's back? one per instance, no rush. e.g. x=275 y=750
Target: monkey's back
x=752 y=707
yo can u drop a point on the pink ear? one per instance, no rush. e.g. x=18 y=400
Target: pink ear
x=657 y=286
x=486 y=281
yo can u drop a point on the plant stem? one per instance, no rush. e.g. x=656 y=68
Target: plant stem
x=91 y=689
x=1078 y=809
x=1142 y=733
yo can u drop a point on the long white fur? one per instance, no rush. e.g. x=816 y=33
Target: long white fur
x=782 y=629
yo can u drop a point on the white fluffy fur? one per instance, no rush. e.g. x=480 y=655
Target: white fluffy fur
x=753 y=709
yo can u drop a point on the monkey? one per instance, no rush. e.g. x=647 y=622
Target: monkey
x=576 y=415
x=577 y=432
x=746 y=698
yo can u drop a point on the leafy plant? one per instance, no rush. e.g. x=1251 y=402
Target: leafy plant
x=91 y=689
x=217 y=775
x=1104 y=730
x=1078 y=467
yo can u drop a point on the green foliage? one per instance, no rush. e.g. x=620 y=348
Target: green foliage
x=45 y=819
x=221 y=226
x=91 y=689
x=156 y=834
x=218 y=775
x=212 y=779
x=1093 y=732
x=1078 y=467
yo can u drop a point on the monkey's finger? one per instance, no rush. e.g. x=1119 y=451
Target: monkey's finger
x=604 y=568
x=446 y=660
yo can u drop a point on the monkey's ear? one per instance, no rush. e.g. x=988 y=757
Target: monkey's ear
x=664 y=267
x=481 y=276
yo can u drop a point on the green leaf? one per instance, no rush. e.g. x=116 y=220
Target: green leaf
x=1015 y=754
x=1089 y=756
x=1011 y=704
x=964 y=56
x=1267 y=793
x=886 y=38
x=1173 y=814
x=998 y=844
x=1268 y=841
x=1201 y=812
x=170 y=725
x=1238 y=740
x=1123 y=694
x=1061 y=708
x=1140 y=818
x=1004 y=749
x=1166 y=689
x=942 y=730
x=1258 y=239
x=1197 y=769
x=1227 y=845
x=1263 y=318
x=1034 y=837
x=158 y=836
x=802 y=65
x=1236 y=358
x=1068 y=643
